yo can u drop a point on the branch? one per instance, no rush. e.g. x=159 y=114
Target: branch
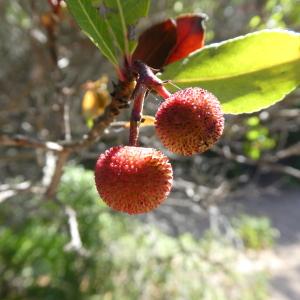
x=226 y=152
x=282 y=168
x=75 y=244
x=23 y=141
x=61 y=159
x=290 y=151
x=7 y=191
x=120 y=99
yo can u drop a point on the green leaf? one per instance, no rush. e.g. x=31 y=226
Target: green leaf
x=88 y=18
x=247 y=73
x=122 y=16
x=109 y=23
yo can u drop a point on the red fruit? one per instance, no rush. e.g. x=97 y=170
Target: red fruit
x=133 y=179
x=190 y=121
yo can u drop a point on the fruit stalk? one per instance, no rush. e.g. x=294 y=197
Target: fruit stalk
x=149 y=79
x=136 y=115
x=146 y=81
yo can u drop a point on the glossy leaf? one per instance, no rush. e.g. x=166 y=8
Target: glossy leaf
x=247 y=73
x=190 y=36
x=121 y=17
x=110 y=23
x=88 y=18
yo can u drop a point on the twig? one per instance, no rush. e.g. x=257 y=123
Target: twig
x=66 y=118
x=76 y=243
x=289 y=113
x=62 y=157
x=282 y=168
x=7 y=191
x=290 y=151
x=23 y=141
x=120 y=99
x=226 y=152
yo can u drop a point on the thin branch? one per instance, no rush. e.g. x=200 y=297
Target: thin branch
x=282 y=168
x=61 y=159
x=23 y=141
x=76 y=243
x=7 y=191
x=120 y=99
x=226 y=152
x=66 y=119
x=289 y=113
x=290 y=151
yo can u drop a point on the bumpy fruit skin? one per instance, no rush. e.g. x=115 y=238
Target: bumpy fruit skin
x=190 y=121
x=134 y=180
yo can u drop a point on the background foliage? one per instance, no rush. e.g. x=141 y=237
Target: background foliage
x=124 y=259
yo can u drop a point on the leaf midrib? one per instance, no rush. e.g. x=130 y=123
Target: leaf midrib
x=124 y=29
x=96 y=31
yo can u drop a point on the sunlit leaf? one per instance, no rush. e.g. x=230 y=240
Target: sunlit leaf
x=247 y=73
x=88 y=18
x=122 y=17
x=110 y=23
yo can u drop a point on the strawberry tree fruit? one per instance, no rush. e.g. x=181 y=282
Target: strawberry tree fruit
x=190 y=121
x=132 y=179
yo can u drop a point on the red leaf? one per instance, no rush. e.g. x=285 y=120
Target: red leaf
x=155 y=44
x=190 y=36
x=171 y=40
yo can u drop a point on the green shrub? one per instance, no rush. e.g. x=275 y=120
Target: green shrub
x=256 y=232
x=127 y=259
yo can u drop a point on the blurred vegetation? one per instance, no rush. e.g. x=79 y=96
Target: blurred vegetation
x=256 y=232
x=124 y=258
x=258 y=138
